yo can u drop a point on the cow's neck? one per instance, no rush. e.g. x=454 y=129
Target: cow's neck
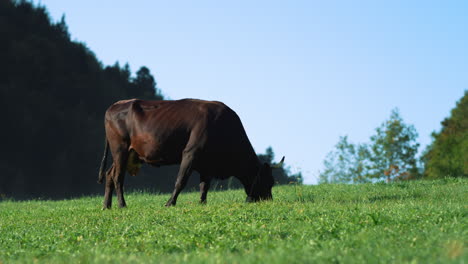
x=249 y=173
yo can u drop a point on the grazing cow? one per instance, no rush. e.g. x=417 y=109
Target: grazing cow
x=205 y=136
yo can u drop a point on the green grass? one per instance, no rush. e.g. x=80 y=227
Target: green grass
x=412 y=222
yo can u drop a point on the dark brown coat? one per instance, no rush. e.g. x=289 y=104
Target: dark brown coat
x=205 y=136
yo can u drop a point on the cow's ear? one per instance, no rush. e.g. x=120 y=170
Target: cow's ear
x=279 y=164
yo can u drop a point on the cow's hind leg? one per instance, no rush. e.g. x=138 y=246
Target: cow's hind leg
x=182 y=177
x=109 y=188
x=120 y=162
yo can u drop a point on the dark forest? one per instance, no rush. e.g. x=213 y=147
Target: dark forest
x=53 y=94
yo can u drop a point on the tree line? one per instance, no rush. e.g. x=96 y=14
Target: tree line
x=391 y=154
x=53 y=96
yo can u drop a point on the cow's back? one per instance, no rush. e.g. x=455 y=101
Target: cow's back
x=160 y=130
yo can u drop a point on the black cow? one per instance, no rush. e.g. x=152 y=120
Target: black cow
x=205 y=136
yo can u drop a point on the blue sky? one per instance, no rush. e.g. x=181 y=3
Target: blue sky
x=298 y=73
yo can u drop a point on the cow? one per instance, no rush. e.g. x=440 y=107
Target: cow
x=203 y=136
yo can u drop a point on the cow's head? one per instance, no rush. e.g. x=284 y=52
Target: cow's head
x=261 y=189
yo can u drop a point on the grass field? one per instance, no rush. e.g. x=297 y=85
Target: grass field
x=411 y=222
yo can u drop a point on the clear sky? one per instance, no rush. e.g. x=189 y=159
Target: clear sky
x=298 y=73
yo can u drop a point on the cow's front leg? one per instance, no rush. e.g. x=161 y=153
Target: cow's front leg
x=182 y=178
x=204 y=187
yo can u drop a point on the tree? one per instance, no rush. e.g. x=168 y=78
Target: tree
x=390 y=155
x=393 y=150
x=281 y=174
x=55 y=92
x=447 y=155
x=144 y=84
x=346 y=164
x=268 y=157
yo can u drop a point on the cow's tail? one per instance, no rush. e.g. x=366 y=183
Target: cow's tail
x=103 y=163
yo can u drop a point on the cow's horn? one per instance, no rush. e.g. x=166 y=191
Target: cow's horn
x=279 y=165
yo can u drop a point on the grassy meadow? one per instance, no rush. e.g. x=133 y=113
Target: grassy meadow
x=407 y=222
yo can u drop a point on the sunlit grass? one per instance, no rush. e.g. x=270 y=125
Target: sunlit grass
x=422 y=222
